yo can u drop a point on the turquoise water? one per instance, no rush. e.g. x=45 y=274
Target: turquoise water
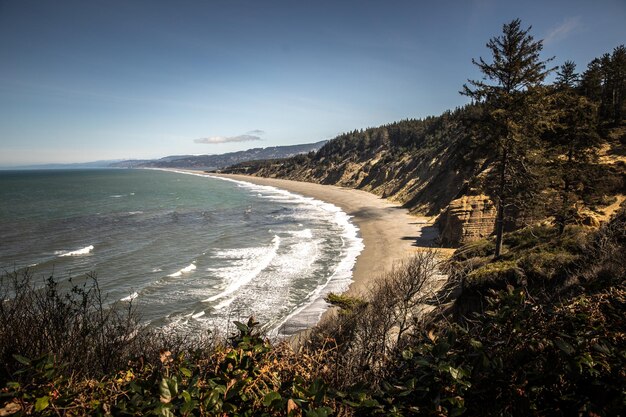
x=194 y=253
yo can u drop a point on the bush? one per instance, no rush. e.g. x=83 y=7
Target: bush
x=496 y=274
x=74 y=327
x=247 y=378
x=364 y=336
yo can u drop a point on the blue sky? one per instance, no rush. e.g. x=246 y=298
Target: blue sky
x=89 y=80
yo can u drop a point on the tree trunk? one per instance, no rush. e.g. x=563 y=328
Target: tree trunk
x=562 y=221
x=501 y=202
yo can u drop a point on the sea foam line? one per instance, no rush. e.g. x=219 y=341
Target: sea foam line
x=245 y=279
x=83 y=251
x=189 y=268
x=341 y=278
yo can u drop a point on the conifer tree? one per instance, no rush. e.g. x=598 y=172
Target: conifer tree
x=591 y=82
x=617 y=84
x=573 y=143
x=604 y=82
x=566 y=76
x=512 y=94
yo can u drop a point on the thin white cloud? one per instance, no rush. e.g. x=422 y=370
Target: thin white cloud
x=256 y=132
x=247 y=137
x=562 y=31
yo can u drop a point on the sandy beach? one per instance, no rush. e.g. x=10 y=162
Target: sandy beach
x=389 y=233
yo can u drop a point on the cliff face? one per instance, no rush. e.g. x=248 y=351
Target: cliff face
x=467 y=219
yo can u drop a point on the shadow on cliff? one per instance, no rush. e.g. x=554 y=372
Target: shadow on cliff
x=427 y=238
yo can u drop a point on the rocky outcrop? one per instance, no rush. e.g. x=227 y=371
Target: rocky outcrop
x=466 y=219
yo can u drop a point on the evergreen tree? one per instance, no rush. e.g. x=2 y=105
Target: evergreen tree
x=566 y=76
x=604 y=82
x=591 y=82
x=511 y=91
x=573 y=144
x=616 y=84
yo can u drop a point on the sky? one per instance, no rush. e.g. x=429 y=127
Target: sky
x=126 y=79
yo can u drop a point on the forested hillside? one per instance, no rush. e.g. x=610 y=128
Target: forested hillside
x=221 y=160
x=423 y=164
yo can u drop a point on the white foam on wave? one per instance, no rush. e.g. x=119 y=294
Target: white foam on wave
x=314 y=304
x=248 y=263
x=189 y=268
x=132 y=213
x=197 y=315
x=304 y=234
x=130 y=297
x=116 y=196
x=225 y=303
x=83 y=251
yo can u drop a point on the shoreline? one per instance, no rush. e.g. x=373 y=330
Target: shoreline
x=389 y=232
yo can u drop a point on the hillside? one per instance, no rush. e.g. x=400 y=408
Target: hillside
x=423 y=164
x=210 y=162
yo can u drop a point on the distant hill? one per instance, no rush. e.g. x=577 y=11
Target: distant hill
x=78 y=165
x=210 y=162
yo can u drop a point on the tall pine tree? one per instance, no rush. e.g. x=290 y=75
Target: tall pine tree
x=604 y=82
x=573 y=142
x=511 y=91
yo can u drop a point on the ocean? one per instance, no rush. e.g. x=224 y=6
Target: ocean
x=192 y=252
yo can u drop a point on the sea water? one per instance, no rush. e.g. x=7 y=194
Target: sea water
x=192 y=252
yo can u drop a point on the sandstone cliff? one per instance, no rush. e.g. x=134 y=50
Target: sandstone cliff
x=466 y=219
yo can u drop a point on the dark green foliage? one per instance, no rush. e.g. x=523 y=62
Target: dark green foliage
x=571 y=148
x=559 y=353
x=428 y=380
x=251 y=378
x=539 y=359
x=537 y=255
x=73 y=325
x=604 y=82
x=566 y=76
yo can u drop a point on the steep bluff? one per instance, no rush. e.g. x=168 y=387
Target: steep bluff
x=466 y=219
x=422 y=164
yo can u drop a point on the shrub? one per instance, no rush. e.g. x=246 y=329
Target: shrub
x=247 y=378
x=497 y=274
x=74 y=327
x=365 y=335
